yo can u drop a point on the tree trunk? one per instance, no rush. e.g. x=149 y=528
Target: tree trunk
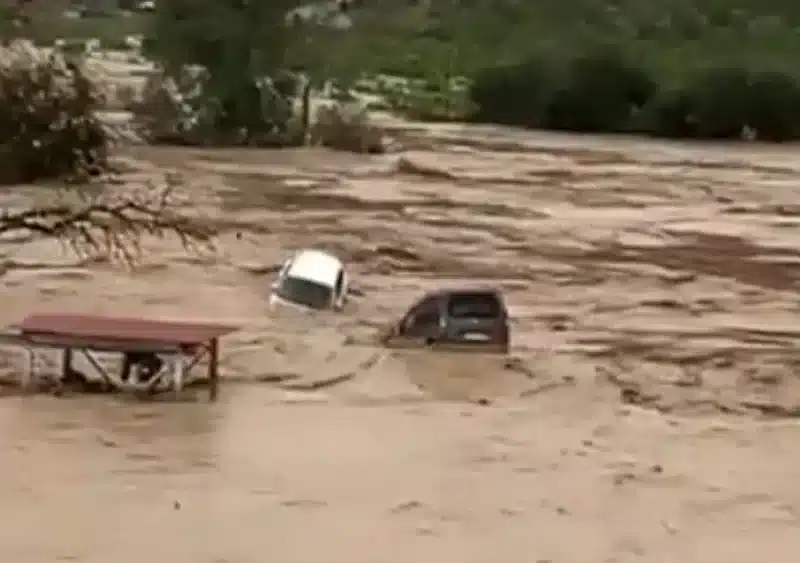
x=306 y=111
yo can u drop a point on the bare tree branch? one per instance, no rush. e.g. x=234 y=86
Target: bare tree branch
x=108 y=225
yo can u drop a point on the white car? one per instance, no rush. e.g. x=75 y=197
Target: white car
x=311 y=280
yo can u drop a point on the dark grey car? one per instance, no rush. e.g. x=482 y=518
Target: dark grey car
x=459 y=320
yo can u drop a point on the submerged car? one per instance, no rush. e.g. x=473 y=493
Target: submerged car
x=311 y=280
x=454 y=319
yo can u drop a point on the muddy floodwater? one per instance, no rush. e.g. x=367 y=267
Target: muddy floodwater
x=648 y=413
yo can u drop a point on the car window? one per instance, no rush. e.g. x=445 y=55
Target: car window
x=425 y=313
x=478 y=305
x=304 y=292
x=425 y=318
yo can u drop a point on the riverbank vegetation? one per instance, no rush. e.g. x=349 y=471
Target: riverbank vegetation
x=673 y=68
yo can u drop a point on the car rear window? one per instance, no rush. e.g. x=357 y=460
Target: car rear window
x=477 y=305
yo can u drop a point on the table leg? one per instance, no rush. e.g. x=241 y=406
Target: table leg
x=101 y=371
x=213 y=370
x=178 y=374
x=28 y=376
x=66 y=364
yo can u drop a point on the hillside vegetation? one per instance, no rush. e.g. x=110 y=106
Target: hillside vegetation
x=675 y=68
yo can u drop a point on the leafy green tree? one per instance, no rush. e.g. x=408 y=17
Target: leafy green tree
x=257 y=54
x=242 y=44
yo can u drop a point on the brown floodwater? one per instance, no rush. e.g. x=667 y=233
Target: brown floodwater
x=648 y=414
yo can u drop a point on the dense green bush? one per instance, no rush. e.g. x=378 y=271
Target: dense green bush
x=606 y=92
x=774 y=109
x=515 y=94
x=599 y=93
x=728 y=103
x=595 y=93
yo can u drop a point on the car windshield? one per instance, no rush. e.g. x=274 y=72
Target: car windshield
x=305 y=292
x=474 y=306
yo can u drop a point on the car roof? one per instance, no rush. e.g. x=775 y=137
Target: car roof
x=470 y=290
x=316 y=266
x=446 y=293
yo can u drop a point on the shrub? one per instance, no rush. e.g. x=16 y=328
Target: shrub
x=164 y=112
x=600 y=93
x=48 y=127
x=717 y=100
x=605 y=92
x=596 y=92
x=516 y=94
x=667 y=114
x=774 y=109
x=728 y=103
x=185 y=110
x=179 y=111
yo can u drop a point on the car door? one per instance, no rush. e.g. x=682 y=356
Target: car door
x=421 y=326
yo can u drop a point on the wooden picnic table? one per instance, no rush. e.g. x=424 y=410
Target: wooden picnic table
x=184 y=344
